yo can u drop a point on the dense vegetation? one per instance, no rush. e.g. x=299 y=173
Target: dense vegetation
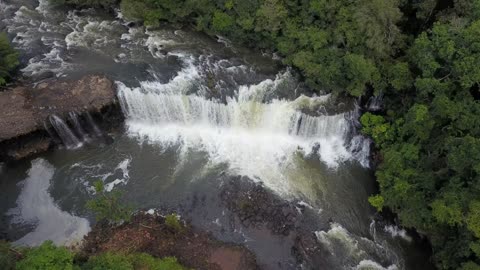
x=108 y=206
x=8 y=59
x=48 y=256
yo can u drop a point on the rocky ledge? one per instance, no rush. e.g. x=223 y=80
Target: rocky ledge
x=25 y=110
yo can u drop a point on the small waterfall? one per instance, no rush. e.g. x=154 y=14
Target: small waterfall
x=373 y=230
x=375 y=103
x=93 y=125
x=69 y=139
x=360 y=147
x=74 y=118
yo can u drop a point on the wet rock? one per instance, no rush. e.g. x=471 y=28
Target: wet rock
x=25 y=109
x=34 y=146
x=309 y=253
x=257 y=206
x=43 y=76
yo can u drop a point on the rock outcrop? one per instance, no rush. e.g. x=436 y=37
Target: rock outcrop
x=149 y=233
x=24 y=111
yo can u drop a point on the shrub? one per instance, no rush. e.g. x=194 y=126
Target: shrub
x=7 y=258
x=108 y=261
x=47 y=256
x=107 y=205
x=173 y=222
x=8 y=59
x=145 y=261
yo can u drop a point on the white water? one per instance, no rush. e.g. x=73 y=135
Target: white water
x=371 y=265
x=123 y=167
x=36 y=206
x=354 y=252
x=68 y=137
x=395 y=231
x=256 y=136
x=375 y=103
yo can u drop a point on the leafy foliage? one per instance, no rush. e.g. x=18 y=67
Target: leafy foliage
x=7 y=257
x=430 y=139
x=108 y=261
x=47 y=256
x=173 y=222
x=108 y=205
x=8 y=59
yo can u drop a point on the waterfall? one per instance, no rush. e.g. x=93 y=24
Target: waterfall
x=253 y=132
x=360 y=148
x=93 y=125
x=375 y=103
x=76 y=125
x=373 y=230
x=69 y=139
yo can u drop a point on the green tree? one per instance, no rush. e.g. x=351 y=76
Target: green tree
x=108 y=206
x=46 y=256
x=8 y=59
x=173 y=222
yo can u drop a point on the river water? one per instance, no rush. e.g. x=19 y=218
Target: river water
x=198 y=111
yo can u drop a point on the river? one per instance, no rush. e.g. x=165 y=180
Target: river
x=198 y=112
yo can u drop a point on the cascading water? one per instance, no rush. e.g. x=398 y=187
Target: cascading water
x=93 y=125
x=256 y=136
x=74 y=118
x=375 y=103
x=69 y=139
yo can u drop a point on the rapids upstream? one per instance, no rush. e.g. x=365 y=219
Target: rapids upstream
x=199 y=112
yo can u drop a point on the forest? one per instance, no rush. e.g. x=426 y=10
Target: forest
x=421 y=56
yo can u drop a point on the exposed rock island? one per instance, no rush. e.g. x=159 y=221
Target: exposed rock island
x=25 y=111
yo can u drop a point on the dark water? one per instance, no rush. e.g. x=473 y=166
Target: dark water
x=198 y=112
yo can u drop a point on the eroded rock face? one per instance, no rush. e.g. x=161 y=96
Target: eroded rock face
x=25 y=109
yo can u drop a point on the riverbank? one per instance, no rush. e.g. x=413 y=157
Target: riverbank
x=147 y=232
